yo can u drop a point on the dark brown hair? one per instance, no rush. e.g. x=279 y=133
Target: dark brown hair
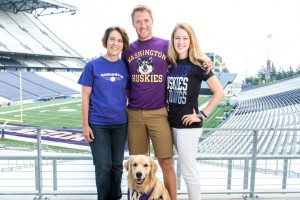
x=123 y=33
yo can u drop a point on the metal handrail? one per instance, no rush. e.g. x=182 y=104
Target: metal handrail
x=249 y=169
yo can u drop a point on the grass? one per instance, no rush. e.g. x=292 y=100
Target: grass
x=54 y=113
x=60 y=113
x=213 y=119
x=67 y=113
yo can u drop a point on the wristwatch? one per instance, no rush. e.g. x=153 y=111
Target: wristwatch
x=200 y=116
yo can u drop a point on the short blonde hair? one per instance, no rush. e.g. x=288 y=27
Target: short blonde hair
x=141 y=8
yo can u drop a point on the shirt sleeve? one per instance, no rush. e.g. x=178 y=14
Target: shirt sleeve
x=207 y=75
x=204 y=75
x=87 y=78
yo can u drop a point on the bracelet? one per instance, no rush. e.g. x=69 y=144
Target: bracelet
x=203 y=114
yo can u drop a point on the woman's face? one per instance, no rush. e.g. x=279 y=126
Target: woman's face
x=181 y=43
x=114 y=43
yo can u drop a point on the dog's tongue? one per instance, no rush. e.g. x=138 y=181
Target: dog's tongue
x=139 y=181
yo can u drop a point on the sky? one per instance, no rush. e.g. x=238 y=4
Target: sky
x=234 y=29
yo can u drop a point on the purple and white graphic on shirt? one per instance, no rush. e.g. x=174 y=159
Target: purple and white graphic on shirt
x=145 y=65
x=177 y=84
x=112 y=76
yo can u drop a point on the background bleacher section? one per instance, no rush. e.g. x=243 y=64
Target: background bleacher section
x=36 y=85
x=50 y=68
x=269 y=107
x=224 y=78
x=27 y=44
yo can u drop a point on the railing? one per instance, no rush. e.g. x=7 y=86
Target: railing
x=42 y=173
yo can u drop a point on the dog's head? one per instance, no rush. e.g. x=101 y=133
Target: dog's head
x=141 y=170
x=145 y=66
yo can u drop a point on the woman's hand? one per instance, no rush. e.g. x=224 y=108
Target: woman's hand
x=88 y=134
x=189 y=119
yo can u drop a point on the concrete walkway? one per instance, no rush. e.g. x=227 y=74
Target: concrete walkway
x=180 y=197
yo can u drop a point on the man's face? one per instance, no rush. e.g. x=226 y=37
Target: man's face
x=142 y=22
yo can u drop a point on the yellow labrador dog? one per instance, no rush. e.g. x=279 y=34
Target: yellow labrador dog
x=142 y=182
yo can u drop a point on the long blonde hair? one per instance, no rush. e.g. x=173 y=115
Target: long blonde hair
x=195 y=53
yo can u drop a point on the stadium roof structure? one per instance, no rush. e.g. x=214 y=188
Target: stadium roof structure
x=26 y=42
x=224 y=79
x=37 y=7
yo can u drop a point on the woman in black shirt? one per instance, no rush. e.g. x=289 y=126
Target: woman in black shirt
x=186 y=73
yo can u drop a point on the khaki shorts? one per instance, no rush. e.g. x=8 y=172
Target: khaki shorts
x=153 y=124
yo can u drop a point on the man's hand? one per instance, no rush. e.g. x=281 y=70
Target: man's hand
x=207 y=63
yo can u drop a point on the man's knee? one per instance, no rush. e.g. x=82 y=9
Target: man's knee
x=166 y=164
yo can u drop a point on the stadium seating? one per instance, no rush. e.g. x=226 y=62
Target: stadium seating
x=269 y=107
x=56 y=77
x=224 y=79
x=12 y=93
x=46 y=83
x=31 y=36
x=27 y=45
x=33 y=85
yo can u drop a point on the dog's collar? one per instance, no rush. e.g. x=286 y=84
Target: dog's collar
x=133 y=194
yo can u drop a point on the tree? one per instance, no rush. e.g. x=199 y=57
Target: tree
x=219 y=64
x=273 y=72
x=252 y=80
x=225 y=70
x=261 y=73
x=298 y=70
x=291 y=72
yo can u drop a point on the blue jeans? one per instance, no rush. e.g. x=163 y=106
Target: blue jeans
x=108 y=154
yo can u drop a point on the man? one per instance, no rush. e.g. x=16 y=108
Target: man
x=147 y=114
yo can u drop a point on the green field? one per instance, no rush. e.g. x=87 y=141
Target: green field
x=67 y=113
x=54 y=113
x=60 y=113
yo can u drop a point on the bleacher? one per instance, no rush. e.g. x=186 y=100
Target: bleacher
x=224 y=79
x=25 y=33
x=12 y=93
x=9 y=62
x=46 y=83
x=27 y=45
x=65 y=80
x=33 y=86
x=270 y=107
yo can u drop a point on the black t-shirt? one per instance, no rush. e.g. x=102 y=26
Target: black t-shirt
x=183 y=88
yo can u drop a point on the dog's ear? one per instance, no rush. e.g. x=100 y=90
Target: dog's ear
x=127 y=165
x=153 y=167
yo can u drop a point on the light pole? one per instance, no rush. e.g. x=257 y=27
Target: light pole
x=268 y=66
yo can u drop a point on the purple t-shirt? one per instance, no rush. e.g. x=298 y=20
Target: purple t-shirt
x=147 y=63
